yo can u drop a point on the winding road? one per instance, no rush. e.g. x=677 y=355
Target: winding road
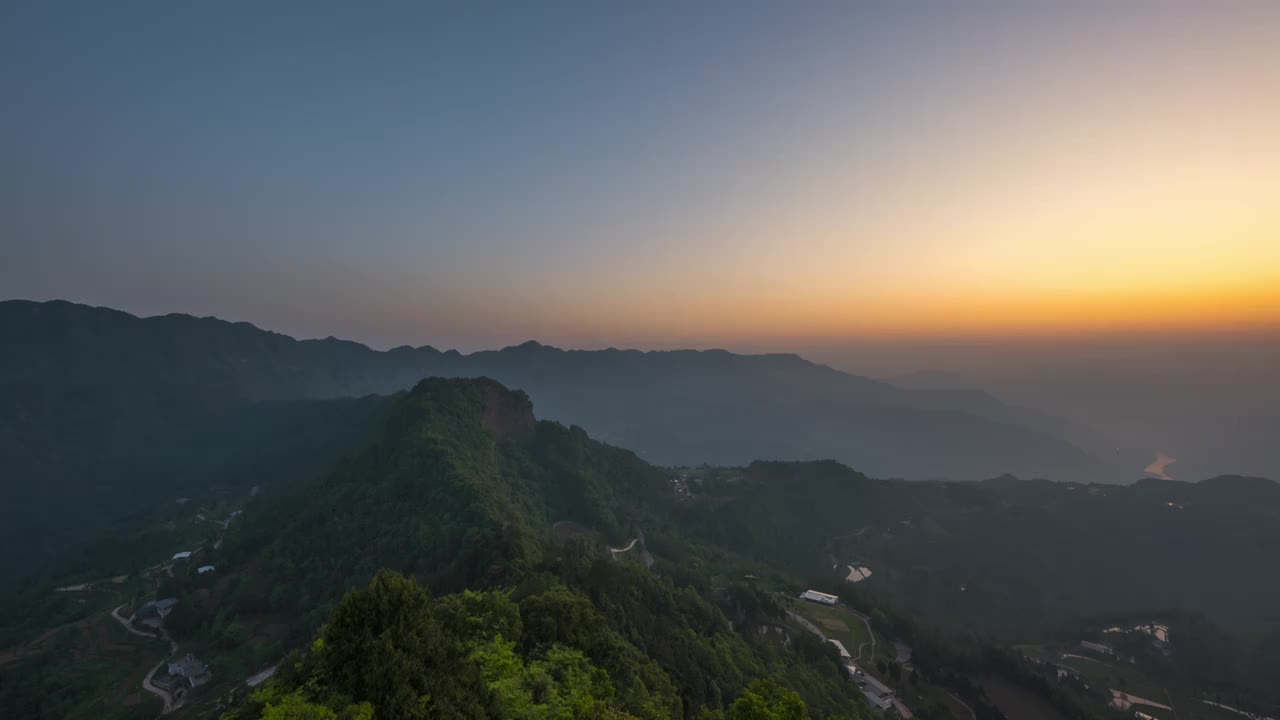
x=154 y=690
x=806 y=624
x=630 y=545
x=963 y=704
x=644 y=551
x=146 y=681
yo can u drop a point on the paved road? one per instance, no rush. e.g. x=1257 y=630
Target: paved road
x=972 y=714
x=806 y=624
x=128 y=623
x=261 y=677
x=814 y=629
x=1082 y=657
x=644 y=551
x=628 y=547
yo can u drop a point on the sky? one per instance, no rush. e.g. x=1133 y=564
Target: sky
x=755 y=176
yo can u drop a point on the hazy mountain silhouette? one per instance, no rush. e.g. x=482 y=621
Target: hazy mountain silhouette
x=127 y=407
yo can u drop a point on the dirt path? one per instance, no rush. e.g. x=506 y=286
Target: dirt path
x=146 y=681
x=151 y=688
x=128 y=624
x=870 y=633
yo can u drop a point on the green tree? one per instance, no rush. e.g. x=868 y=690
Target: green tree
x=564 y=684
x=766 y=700
x=384 y=646
x=294 y=707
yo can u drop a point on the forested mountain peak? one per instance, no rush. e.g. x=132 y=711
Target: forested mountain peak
x=113 y=388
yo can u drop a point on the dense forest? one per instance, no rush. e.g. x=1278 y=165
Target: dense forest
x=463 y=558
x=460 y=488
x=1081 y=549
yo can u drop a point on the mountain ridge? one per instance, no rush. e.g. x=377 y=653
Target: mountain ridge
x=384 y=371
x=125 y=394
x=458 y=485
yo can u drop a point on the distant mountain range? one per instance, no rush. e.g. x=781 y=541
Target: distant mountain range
x=102 y=411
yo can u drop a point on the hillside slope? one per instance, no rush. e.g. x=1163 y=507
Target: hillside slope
x=100 y=405
x=527 y=531
x=459 y=487
x=1013 y=555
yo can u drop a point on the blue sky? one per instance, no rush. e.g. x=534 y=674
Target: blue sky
x=594 y=174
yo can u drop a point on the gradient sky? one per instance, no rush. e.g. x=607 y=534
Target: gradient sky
x=646 y=174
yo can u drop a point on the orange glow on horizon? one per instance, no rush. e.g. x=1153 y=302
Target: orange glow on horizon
x=942 y=312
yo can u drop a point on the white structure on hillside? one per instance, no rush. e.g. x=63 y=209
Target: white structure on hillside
x=191 y=671
x=844 y=653
x=819 y=597
x=182 y=555
x=1097 y=647
x=204 y=569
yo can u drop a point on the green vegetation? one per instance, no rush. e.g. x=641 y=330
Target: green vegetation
x=839 y=623
x=88 y=669
x=458 y=487
x=392 y=651
x=946 y=551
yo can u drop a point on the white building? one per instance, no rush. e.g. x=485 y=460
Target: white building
x=204 y=569
x=844 y=653
x=819 y=597
x=182 y=555
x=1097 y=647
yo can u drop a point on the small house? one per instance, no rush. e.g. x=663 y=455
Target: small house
x=1097 y=647
x=844 y=653
x=190 y=670
x=157 y=608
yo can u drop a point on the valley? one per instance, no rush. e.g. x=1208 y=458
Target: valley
x=462 y=488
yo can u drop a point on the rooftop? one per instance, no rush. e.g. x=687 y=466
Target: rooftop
x=188 y=666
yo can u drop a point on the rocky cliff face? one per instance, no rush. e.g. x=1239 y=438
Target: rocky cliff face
x=507 y=412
